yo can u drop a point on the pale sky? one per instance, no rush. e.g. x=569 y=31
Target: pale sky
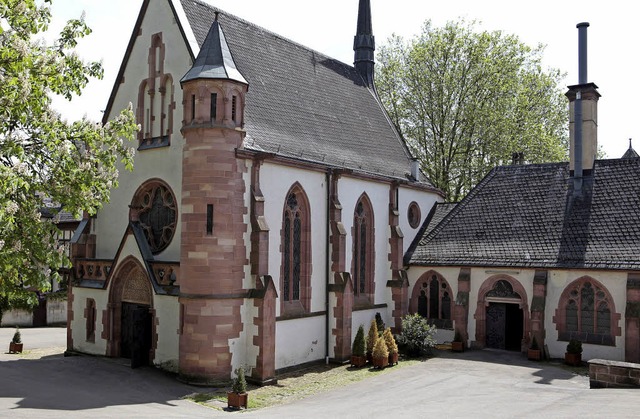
x=328 y=26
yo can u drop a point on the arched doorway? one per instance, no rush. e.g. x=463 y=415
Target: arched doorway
x=502 y=316
x=131 y=314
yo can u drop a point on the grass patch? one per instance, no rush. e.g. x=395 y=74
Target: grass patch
x=299 y=384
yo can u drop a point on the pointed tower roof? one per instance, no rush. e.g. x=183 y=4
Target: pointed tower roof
x=630 y=153
x=364 y=43
x=214 y=60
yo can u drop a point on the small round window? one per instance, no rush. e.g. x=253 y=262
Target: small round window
x=157 y=213
x=413 y=214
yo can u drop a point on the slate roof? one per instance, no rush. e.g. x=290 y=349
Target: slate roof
x=304 y=105
x=214 y=60
x=630 y=154
x=526 y=216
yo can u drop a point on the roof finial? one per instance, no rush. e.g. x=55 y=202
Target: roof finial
x=630 y=144
x=216 y=13
x=364 y=43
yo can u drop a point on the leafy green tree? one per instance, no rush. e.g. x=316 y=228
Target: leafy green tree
x=465 y=100
x=41 y=154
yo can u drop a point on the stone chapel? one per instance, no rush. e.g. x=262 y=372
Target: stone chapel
x=270 y=207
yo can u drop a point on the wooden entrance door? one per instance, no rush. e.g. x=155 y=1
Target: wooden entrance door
x=496 y=320
x=504 y=326
x=136 y=334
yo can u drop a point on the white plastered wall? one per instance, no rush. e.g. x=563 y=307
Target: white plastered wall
x=557 y=281
x=167 y=325
x=78 y=325
x=349 y=191
x=164 y=163
x=425 y=201
x=243 y=352
x=299 y=341
x=615 y=282
x=275 y=181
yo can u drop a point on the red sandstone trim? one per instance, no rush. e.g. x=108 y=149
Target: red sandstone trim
x=481 y=309
x=560 y=317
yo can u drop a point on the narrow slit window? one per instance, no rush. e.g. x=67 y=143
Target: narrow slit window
x=209 y=219
x=214 y=106
x=193 y=107
x=234 y=103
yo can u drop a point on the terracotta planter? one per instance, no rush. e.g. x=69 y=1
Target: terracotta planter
x=393 y=358
x=457 y=346
x=237 y=400
x=534 y=354
x=15 y=348
x=573 y=359
x=358 y=361
x=380 y=362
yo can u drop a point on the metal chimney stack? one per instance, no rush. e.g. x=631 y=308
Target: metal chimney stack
x=582 y=79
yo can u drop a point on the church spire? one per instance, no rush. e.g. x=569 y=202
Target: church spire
x=214 y=60
x=364 y=43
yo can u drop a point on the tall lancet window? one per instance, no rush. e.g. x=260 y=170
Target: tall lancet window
x=296 y=252
x=363 y=258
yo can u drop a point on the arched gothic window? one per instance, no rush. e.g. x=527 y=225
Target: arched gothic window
x=363 y=245
x=296 y=251
x=432 y=299
x=586 y=313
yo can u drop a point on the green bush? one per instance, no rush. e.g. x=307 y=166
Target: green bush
x=574 y=346
x=17 y=338
x=379 y=324
x=239 y=383
x=390 y=341
x=380 y=350
x=359 y=344
x=372 y=336
x=416 y=338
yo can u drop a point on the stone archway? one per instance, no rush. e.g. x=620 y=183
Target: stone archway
x=507 y=291
x=130 y=290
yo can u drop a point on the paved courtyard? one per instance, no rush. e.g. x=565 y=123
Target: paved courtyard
x=475 y=384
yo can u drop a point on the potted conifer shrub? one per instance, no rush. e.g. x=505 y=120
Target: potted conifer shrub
x=372 y=336
x=238 y=397
x=380 y=354
x=392 y=347
x=15 y=346
x=573 y=356
x=534 y=353
x=379 y=323
x=358 y=351
x=457 y=345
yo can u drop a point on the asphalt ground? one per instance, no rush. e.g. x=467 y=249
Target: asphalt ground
x=476 y=384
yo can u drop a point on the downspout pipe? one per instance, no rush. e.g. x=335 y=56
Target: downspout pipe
x=328 y=263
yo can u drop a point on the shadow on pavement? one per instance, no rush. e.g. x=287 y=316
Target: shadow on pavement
x=547 y=371
x=79 y=383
